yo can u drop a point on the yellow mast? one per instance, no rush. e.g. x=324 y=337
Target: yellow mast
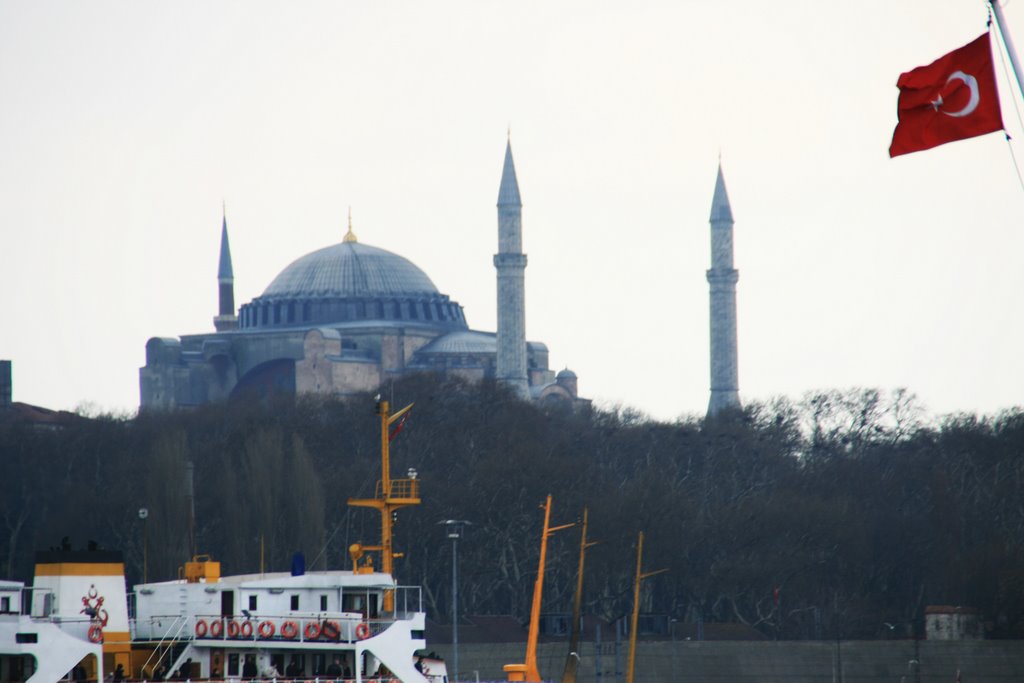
x=390 y=496
x=528 y=671
x=640 y=576
x=573 y=658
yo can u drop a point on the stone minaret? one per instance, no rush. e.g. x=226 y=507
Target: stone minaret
x=722 y=278
x=226 y=318
x=510 y=262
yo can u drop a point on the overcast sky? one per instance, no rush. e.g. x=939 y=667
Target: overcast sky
x=123 y=126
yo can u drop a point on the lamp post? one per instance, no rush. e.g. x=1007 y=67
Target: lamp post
x=455 y=528
x=143 y=515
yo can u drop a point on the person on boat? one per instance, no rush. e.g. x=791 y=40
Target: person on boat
x=249 y=668
x=270 y=671
x=335 y=667
x=119 y=673
x=293 y=668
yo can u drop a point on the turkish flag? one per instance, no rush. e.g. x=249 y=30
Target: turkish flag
x=953 y=98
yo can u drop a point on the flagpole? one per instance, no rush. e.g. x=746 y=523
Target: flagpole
x=1008 y=42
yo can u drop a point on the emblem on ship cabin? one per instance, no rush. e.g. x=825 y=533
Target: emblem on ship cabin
x=93 y=605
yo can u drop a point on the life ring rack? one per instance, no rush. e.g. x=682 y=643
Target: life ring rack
x=245 y=629
x=362 y=630
x=330 y=630
x=312 y=630
x=96 y=633
x=216 y=628
x=201 y=628
x=266 y=629
x=289 y=630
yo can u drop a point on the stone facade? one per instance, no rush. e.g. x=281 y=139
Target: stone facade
x=349 y=318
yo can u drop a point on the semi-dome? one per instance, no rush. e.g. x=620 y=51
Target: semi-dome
x=350 y=269
x=351 y=283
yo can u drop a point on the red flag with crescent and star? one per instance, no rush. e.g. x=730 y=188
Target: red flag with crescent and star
x=953 y=98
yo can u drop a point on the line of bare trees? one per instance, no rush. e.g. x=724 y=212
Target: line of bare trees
x=835 y=514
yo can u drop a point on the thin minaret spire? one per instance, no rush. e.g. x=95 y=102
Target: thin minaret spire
x=226 y=319
x=722 y=278
x=510 y=262
x=350 y=236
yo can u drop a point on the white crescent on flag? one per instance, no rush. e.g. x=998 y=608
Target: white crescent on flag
x=972 y=83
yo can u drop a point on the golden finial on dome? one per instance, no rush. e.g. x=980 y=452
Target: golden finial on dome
x=350 y=236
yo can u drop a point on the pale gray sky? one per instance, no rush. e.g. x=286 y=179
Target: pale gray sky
x=123 y=124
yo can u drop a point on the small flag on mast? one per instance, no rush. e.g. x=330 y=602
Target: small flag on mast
x=953 y=98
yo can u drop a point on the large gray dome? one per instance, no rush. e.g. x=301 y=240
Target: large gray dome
x=350 y=269
x=351 y=284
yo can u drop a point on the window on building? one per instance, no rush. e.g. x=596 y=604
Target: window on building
x=252 y=602
x=295 y=602
x=233 y=664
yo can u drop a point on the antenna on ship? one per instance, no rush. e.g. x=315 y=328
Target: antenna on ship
x=389 y=496
x=529 y=671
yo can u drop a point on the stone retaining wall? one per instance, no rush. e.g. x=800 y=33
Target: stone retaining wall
x=902 y=661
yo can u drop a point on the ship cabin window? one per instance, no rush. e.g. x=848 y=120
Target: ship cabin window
x=295 y=602
x=323 y=603
x=364 y=603
x=233 y=664
x=252 y=602
x=5 y=605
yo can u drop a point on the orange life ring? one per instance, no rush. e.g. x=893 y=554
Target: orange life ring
x=330 y=630
x=266 y=629
x=201 y=628
x=216 y=628
x=362 y=630
x=232 y=629
x=289 y=630
x=96 y=633
x=245 y=630
x=312 y=630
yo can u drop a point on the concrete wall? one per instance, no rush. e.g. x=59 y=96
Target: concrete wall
x=763 y=661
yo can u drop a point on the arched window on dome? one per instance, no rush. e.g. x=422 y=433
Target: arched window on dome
x=307 y=311
x=428 y=313
x=291 y=311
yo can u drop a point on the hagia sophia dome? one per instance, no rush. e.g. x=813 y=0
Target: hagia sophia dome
x=351 y=282
x=350 y=318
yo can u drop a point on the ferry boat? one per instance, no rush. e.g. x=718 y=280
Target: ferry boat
x=352 y=625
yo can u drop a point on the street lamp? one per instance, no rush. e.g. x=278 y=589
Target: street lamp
x=143 y=514
x=455 y=528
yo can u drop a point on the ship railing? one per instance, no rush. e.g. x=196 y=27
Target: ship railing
x=321 y=628
x=173 y=633
x=408 y=600
x=406 y=489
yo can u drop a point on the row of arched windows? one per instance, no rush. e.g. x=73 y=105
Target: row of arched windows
x=277 y=313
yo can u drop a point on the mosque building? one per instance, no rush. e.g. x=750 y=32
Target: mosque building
x=351 y=317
